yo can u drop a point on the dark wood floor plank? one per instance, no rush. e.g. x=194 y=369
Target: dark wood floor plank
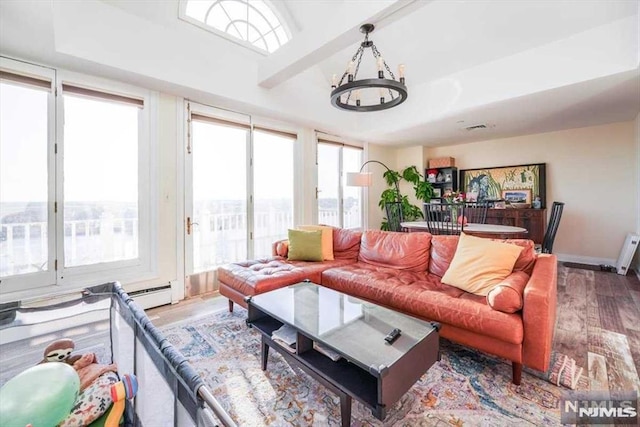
x=572 y=344
x=610 y=314
x=603 y=284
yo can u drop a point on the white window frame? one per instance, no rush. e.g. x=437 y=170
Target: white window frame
x=182 y=14
x=42 y=284
x=145 y=266
x=41 y=278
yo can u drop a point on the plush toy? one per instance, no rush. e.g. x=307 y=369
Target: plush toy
x=60 y=351
x=120 y=392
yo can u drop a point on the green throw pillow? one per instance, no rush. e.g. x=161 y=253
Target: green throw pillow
x=305 y=245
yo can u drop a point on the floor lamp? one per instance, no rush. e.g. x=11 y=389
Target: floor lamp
x=365 y=179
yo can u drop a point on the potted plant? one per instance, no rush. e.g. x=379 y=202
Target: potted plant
x=423 y=191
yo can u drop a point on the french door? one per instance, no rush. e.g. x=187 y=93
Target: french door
x=239 y=188
x=338 y=205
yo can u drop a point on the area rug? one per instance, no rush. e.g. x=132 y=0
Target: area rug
x=465 y=388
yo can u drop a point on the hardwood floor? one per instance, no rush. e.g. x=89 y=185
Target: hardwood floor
x=598 y=323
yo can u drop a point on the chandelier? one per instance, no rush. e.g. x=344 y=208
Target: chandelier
x=373 y=94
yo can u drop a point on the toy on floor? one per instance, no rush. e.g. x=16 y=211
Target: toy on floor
x=125 y=389
x=60 y=351
x=42 y=396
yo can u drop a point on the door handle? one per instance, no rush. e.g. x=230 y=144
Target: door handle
x=190 y=224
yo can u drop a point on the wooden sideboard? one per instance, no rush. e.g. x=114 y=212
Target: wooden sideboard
x=534 y=220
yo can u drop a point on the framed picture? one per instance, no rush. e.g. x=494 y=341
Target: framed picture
x=517 y=196
x=437 y=192
x=493 y=183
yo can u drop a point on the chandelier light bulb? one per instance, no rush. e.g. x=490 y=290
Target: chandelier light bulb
x=401 y=72
x=334 y=81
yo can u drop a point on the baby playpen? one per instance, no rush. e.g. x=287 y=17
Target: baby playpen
x=105 y=320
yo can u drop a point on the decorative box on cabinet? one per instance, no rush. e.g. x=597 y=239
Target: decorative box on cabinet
x=534 y=220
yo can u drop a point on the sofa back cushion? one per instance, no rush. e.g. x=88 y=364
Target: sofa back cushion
x=346 y=243
x=401 y=251
x=444 y=247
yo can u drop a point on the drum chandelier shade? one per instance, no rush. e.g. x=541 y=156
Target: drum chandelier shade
x=370 y=94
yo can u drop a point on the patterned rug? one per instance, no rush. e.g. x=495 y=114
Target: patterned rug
x=464 y=388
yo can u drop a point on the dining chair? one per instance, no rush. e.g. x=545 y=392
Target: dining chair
x=476 y=212
x=552 y=228
x=442 y=218
x=394 y=215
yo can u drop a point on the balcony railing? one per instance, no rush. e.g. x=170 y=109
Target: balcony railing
x=217 y=239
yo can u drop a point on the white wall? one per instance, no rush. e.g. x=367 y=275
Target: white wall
x=594 y=170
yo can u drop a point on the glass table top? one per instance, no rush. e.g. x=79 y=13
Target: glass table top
x=351 y=326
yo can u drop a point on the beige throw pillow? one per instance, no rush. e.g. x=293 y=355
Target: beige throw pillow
x=327 y=239
x=480 y=264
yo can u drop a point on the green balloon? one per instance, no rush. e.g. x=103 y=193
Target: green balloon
x=42 y=396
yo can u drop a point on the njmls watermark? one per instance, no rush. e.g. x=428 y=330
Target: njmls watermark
x=599 y=407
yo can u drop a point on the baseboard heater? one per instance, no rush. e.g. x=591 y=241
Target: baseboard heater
x=152 y=297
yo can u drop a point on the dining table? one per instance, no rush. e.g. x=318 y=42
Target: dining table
x=494 y=231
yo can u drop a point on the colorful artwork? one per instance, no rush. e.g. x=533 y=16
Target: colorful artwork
x=492 y=183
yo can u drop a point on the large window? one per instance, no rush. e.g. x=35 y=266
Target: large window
x=24 y=189
x=100 y=181
x=253 y=21
x=75 y=188
x=338 y=204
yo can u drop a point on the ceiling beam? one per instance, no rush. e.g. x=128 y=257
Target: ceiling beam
x=318 y=42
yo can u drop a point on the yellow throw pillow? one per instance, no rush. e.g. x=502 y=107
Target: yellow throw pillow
x=327 y=238
x=480 y=264
x=305 y=245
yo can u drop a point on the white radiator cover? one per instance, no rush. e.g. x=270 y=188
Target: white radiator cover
x=151 y=298
x=626 y=254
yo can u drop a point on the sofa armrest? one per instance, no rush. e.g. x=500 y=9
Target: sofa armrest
x=539 y=312
x=274 y=247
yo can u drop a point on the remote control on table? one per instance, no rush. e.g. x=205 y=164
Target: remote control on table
x=393 y=335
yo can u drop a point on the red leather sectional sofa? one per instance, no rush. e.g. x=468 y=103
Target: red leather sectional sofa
x=402 y=271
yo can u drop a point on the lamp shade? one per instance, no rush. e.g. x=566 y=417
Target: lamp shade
x=361 y=179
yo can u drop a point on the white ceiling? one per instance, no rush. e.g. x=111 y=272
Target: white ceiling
x=518 y=66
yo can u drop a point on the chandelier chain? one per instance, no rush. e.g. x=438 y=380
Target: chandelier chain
x=355 y=72
x=377 y=54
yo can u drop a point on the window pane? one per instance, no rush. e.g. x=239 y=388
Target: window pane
x=328 y=184
x=219 y=195
x=351 y=215
x=100 y=181
x=273 y=190
x=23 y=180
x=198 y=9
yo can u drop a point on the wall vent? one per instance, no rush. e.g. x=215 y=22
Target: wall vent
x=475 y=127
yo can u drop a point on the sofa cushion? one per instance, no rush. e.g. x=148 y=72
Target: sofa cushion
x=442 y=250
x=480 y=264
x=305 y=245
x=507 y=295
x=372 y=282
x=400 y=251
x=327 y=238
x=423 y=295
x=346 y=243
x=429 y=301
x=262 y=275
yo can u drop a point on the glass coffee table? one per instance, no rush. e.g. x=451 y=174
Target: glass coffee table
x=370 y=369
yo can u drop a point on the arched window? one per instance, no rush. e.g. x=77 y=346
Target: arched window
x=253 y=21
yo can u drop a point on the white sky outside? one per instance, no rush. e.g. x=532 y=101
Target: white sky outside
x=23 y=144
